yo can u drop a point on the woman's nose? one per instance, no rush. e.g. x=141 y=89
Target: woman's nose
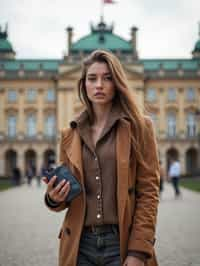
x=99 y=83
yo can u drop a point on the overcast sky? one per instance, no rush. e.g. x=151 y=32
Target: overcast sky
x=167 y=29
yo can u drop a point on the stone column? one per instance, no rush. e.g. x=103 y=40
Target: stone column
x=2 y=164
x=180 y=117
x=2 y=113
x=140 y=96
x=21 y=125
x=21 y=162
x=182 y=161
x=40 y=115
x=39 y=161
x=162 y=120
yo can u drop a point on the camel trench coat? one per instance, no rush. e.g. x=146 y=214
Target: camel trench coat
x=137 y=195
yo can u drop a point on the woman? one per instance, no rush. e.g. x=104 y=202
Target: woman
x=111 y=150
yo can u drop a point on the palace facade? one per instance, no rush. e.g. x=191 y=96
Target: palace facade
x=39 y=97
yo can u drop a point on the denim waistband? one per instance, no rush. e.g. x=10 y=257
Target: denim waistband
x=100 y=229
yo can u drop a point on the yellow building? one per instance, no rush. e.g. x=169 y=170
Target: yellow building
x=39 y=97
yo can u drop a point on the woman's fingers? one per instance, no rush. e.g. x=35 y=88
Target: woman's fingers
x=45 y=180
x=64 y=191
x=60 y=192
x=51 y=183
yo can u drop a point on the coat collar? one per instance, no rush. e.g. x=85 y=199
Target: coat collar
x=116 y=113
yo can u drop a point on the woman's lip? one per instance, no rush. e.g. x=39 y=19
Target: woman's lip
x=99 y=94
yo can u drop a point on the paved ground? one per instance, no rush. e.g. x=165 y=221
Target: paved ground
x=28 y=231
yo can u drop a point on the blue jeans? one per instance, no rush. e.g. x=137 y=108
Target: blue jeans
x=99 y=249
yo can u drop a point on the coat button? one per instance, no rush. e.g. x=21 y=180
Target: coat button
x=98 y=216
x=67 y=231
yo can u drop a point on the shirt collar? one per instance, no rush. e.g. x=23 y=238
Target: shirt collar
x=116 y=114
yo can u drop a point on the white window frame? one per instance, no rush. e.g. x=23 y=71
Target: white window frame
x=191 y=125
x=50 y=125
x=12 y=126
x=31 y=125
x=31 y=95
x=190 y=94
x=151 y=95
x=51 y=95
x=171 y=125
x=172 y=94
x=12 y=95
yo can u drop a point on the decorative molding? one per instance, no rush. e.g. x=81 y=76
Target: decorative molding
x=21 y=90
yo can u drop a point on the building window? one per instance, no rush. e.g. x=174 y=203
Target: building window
x=191 y=125
x=151 y=95
x=50 y=126
x=31 y=125
x=171 y=94
x=154 y=118
x=31 y=95
x=12 y=126
x=51 y=95
x=171 y=125
x=190 y=94
x=12 y=95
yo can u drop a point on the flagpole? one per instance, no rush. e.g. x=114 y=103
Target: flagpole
x=102 y=10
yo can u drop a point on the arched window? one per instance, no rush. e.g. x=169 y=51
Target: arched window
x=50 y=125
x=31 y=125
x=171 y=124
x=191 y=125
x=12 y=126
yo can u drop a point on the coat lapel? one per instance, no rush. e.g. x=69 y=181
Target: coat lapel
x=123 y=154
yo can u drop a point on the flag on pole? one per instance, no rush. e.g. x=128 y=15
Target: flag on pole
x=109 y=2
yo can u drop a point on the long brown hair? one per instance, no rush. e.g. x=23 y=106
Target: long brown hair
x=123 y=96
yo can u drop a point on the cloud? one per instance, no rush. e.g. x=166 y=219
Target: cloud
x=37 y=28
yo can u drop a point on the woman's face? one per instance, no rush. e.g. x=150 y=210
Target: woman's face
x=99 y=84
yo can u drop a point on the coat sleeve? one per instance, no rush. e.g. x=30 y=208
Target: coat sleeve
x=62 y=159
x=142 y=233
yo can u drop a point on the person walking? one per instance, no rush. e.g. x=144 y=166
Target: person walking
x=162 y=177
x=111 y=149
x=174 y=175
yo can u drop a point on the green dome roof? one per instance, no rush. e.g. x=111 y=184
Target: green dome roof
x=5 y=45
x=101 y=37
x=197 y=46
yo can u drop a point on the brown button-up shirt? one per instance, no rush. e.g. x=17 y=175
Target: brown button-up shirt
x=99 y=166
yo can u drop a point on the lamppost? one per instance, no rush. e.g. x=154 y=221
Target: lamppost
x=197 y=113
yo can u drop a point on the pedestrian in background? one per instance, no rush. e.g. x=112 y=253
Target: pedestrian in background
x=174 y=175
x=162 y=177
x=16 y=176
x=111 y=149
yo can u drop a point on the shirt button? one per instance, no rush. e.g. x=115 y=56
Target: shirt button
x=98 y=216
x=97 y=177
x=98 y=196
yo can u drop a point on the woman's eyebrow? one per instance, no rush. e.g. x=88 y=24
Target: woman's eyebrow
x=94 y=74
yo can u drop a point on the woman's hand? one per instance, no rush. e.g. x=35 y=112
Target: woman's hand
x=133 y=261
x=58 y=193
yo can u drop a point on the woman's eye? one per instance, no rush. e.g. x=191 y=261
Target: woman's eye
x=91 y=78
x=108 y=78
